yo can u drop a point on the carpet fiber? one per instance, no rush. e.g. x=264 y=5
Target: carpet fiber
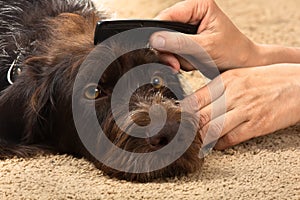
x=263 y=168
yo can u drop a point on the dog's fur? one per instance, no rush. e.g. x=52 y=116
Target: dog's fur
x=54 y=37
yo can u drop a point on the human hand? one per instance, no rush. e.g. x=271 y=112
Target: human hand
x=217 y=35
x=244 y=103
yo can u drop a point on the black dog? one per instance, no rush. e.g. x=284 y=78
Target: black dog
x=43 y=44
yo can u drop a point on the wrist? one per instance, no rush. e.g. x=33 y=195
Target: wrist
x=263 y=54
x=247 y=57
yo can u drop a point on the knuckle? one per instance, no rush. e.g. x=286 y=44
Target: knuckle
x=180 y=42
x=230 y=74
x=216 y=128
x=183 y=43
x=204 y=118
x=201 y=101
x=202 y=97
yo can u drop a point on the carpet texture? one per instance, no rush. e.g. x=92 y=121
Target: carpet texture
x=262 y=168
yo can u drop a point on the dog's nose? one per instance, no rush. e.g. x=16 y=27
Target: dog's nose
x=164 y=136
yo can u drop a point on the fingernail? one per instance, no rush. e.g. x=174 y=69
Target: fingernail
x=158 y=42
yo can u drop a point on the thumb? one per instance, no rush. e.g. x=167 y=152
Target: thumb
x=188 y=47
x=174 y=42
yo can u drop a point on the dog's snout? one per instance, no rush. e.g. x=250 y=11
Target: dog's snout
x=164 y=136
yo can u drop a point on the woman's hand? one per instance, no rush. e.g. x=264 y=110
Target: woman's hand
x=244 y=103
x=218 y=36
x=240 y=103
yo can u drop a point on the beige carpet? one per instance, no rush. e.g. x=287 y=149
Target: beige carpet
x=263 y=168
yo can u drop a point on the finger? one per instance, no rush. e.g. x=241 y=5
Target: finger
x=175 y=42
x=175 y=61
x=221 y=126
x=172 y=13
x=211 y=92
x=184 y=11
x=184 y=64
x=171 y=60
x=203 y=97
x=237 y=135
x=212 y=111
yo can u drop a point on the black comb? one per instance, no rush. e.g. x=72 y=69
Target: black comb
x=108 y=28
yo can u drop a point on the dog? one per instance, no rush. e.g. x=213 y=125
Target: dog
x=43 y=45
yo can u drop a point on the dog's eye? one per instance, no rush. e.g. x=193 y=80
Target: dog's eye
x=93 y=92
x=157 y=82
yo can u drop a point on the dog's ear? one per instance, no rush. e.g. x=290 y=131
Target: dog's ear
x=25 y=105
x=11 y=118
x=40 y=100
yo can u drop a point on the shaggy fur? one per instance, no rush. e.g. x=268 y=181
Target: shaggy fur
x=52 y=38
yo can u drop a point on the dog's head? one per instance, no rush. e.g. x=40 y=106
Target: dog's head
x=138 y=107
x=39 y=107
